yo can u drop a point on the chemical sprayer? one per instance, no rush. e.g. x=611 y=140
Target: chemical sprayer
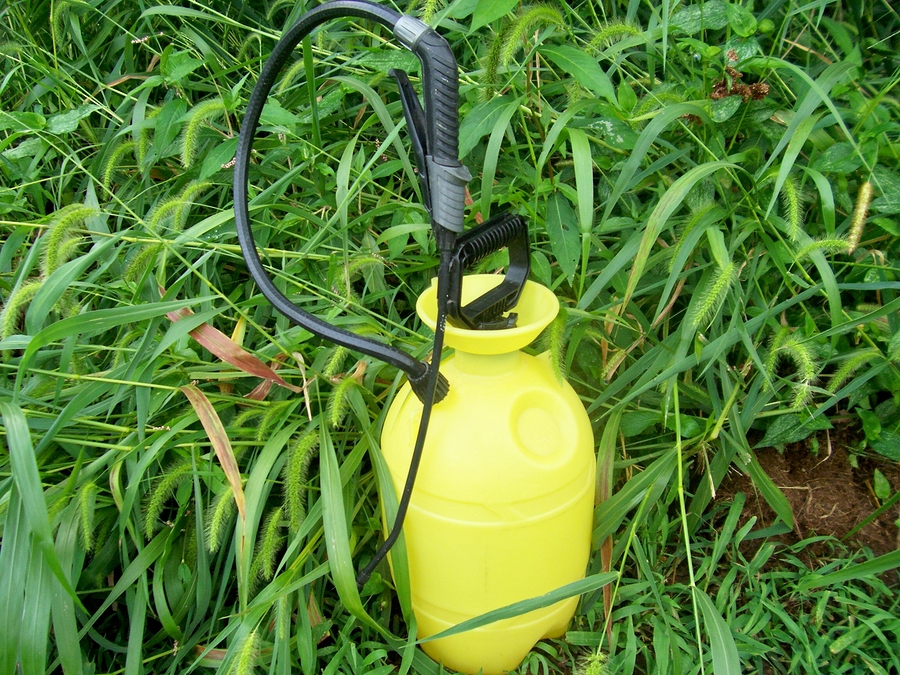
x=491 y=456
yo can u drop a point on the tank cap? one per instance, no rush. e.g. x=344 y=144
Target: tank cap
x=537 y=307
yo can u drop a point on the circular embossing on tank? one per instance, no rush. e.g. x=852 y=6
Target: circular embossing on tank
x=538 y=431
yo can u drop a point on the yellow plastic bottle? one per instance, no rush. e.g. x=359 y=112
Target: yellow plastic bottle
x=502 y=506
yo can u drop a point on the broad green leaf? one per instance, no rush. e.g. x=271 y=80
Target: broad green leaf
x=583 y=67
x=562 y=228
x=724 y=108
x=175 y=66
x=273 y=115
x=725 y=658
x=480 y=121
x=838 y=158
x=634 y=423
x=881 y=486
x=66 y=122
x=21 y=121
x=791 y=429
x=488 y=11
x=584 y=179
x=888 y=445
x=741 y=19
x=218 y=158
x=692 y=19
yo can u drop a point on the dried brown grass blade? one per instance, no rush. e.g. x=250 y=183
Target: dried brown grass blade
x=219 y=439
x=226 y=349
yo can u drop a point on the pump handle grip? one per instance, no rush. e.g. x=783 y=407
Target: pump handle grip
x=447 y=177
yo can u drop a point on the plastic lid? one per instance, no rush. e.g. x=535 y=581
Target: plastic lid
x=536 y=309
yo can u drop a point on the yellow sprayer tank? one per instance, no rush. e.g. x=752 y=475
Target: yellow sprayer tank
x=502 y=506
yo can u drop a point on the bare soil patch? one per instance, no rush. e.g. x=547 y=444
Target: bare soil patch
x=828 y=495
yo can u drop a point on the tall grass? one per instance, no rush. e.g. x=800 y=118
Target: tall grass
x=190 y=482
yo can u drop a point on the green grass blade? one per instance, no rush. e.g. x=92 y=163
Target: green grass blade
x=492 y=156
x=795 y=145
x=645 y=141
x=579 y=587
x=14 y=558
x=725 y=658
x=36 y=615
x=337 y=538
x=667 y=205
x=92 y=322
x=28 y=481
x=878 y=565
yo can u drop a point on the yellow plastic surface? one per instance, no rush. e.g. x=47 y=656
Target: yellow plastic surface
x=503 y=503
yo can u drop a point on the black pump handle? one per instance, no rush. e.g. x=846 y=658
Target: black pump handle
x=446 y=175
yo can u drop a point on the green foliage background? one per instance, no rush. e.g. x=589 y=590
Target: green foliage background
x=189 y=482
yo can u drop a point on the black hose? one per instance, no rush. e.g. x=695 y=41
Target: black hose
x=415 y=369
x=427 y=382
x=430 y=388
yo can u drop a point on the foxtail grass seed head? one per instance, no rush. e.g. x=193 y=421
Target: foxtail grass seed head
x=339 y=401
x=792 y=201
x=165 y=487
x=428 y=8
x=269 y=546
x=245 y=663
x=553 y=341
x=849 y=366
x=860 y=213
x=176 y=208
x=529 y=19
x=61 y=230
x=59 y=12
x=190 y=137
x=16 y=305
x=289 y=76
x=827 y=245
x=787 y=345
x=87 y=500
x=613 y=31
x=712 y=296
x=218 y=518
x=274 y=414
x=142 y=261
x=492 y=64
x=296 y=477
x=114 y=160
x=335 y=362
x=803 y=393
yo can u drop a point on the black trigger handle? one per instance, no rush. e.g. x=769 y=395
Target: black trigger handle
x=415 y=123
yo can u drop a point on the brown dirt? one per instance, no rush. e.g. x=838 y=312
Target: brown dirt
x=827 y=494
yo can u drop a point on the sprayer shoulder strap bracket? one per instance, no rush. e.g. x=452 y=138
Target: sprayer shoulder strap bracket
x=486 y=312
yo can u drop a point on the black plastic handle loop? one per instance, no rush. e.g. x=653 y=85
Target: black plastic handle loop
x=446 y=136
